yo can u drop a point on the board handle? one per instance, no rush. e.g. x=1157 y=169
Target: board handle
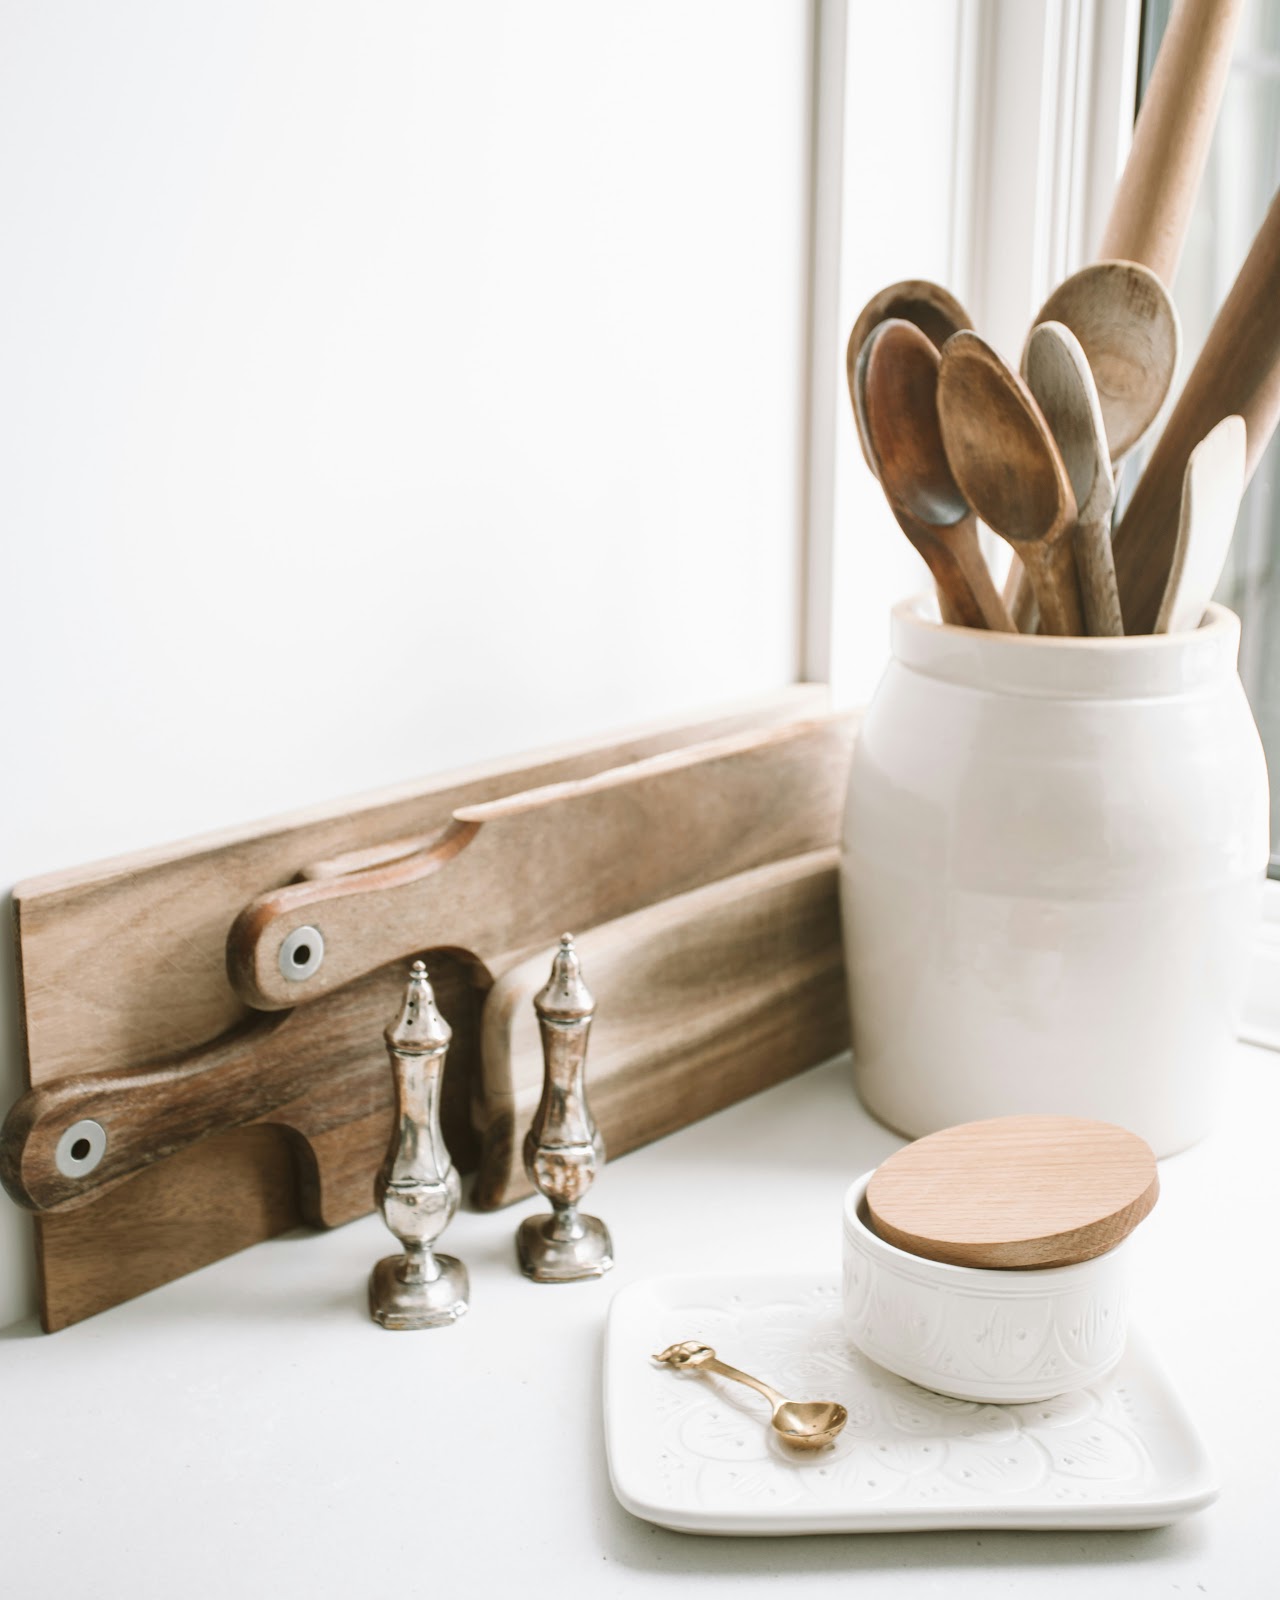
x=509 y=874
x=67 y=1142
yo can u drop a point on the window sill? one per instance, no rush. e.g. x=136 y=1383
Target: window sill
x=1261 y=1021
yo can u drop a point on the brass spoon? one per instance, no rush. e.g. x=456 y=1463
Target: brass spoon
x=1010 y=471
x=803 y=1424
x=896 y=380
x=1129 y=332
x=936 y=312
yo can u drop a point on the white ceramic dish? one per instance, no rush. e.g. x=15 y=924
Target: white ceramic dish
x=695 y=1454
x=1004 y=1337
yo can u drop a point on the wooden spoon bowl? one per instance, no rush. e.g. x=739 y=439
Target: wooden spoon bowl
x=1010 y=470
x=896 y=380
x=930 y=307
x=1129 y=331
x=1058 y=375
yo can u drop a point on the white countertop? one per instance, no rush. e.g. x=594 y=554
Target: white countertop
x=249 y=1431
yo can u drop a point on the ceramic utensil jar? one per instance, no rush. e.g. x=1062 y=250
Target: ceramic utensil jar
x=1052 y=863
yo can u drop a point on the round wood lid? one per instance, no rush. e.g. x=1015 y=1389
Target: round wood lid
x=1029 y=1191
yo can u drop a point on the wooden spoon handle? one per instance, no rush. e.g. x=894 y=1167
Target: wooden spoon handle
x=1020 y=598
x=1153 y=200
x=1051 y=569
x=1238 y=370
x=967 y=595
x=1097 y=569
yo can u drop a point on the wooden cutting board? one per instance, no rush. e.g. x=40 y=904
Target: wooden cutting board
x=702 y=1000
x=157 y=1000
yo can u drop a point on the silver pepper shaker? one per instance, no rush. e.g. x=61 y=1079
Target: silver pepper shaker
x=418 y=1189
x=563 y=1149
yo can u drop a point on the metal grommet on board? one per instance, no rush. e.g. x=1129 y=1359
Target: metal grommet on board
x=301 y=954
x=80 y=1148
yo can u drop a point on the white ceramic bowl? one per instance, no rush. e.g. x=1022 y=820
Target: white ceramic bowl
x=1010 y=1337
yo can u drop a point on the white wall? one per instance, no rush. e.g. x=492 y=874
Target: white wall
x=384 y=385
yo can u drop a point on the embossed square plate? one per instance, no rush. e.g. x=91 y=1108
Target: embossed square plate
x=695 y=1453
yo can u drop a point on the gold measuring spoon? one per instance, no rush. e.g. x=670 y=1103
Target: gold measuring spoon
x=803 y=1424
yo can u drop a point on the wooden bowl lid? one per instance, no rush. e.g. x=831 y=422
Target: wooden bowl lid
x=1030 y=1191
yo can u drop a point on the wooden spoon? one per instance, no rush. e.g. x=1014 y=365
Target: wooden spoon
x=1009 y=470
x=1127 y=325
x=1129 y=331
x=1012 y=1192
x=1211 y=489
x=896 y=380
x=1171 y=139
x=929 y=306
x=1058 y=375
x=1237 y=372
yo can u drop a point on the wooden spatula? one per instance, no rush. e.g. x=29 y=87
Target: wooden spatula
x=1026 y=1191
x=1211 y=490
x=1237 y=372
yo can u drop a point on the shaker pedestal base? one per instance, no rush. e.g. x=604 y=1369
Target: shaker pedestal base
x=425 y=1303
x=549 y=1260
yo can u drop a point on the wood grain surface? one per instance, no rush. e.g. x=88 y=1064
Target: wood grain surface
x=157 y=991
x=1010 y=471
x=706 y=998
x=896 y=381
x=1058 y=375
x=1211 y=489
x=1127 y=325
x=1236 y=373
x=927 y=306
x=1015 y=1192
x=1157 y=190
x=512 y=873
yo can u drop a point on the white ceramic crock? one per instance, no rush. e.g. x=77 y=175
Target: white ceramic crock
x=1052 y=863
x=1007 y=1337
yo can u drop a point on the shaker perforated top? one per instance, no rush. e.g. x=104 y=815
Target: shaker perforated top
x=1025 y=1191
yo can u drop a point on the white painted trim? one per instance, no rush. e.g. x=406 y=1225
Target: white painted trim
x=967 y=196
x=1048 y=93
x=829 y=20
x=1114 y=38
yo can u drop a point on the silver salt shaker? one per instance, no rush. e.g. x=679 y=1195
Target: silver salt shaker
x=563 y=1150
x=418 y=1189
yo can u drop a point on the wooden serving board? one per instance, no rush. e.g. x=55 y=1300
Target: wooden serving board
x=701 y=1001
x=296 y=1123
